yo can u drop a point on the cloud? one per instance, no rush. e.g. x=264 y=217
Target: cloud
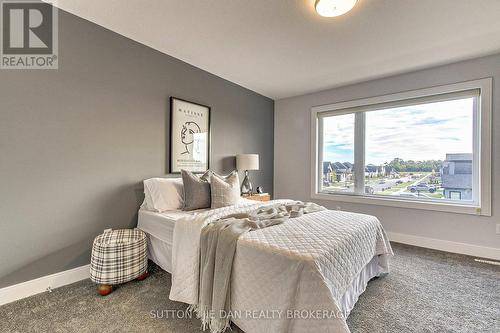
x=336 y=153
x=338 y=142
x=431 y=121
x=421 y=132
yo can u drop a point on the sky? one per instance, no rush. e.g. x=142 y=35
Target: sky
x=420 y=132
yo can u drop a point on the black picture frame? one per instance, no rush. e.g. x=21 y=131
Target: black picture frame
x=172 y=100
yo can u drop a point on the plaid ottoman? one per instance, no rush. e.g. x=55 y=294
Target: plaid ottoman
x=118 y=256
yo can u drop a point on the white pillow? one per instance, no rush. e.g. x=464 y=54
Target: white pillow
x=161 y=194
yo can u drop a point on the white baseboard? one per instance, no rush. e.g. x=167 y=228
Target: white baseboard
x=36 y=286
x=448 y=246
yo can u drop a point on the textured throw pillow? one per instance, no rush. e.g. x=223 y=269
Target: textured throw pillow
x=225 y=190
x=196 y=190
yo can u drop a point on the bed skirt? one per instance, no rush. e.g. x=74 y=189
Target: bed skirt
x=358 y=285
x=160 y=252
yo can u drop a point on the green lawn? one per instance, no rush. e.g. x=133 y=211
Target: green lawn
x=336 y=186
x=436 y=195
x=396 y=188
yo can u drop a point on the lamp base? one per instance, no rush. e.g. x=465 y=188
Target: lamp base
x=246 y=186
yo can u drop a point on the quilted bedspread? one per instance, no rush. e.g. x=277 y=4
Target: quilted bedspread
x=289 y=277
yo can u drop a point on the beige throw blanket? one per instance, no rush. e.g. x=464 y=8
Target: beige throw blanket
x=217 y=248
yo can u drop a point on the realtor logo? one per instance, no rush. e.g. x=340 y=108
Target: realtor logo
x=29 y=35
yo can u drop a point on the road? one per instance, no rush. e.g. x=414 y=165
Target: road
x=412 y=184
x=392 y=182
x=389 y=183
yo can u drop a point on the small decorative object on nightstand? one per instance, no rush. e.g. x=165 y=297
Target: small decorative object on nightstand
x=258 y=197
x=247 y=162
x=118 y=256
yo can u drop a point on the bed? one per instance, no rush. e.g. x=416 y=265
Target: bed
x=302 y=276
x=159 y=228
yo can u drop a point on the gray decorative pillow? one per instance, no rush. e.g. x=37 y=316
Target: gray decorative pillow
x=196 y=190
x=225 y=190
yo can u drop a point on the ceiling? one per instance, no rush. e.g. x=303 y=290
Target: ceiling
x=282 y=48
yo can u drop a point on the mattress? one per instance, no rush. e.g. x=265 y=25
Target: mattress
x=159 y=228
x=160 y=225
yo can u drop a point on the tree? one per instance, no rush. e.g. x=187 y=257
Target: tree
x=400 y=165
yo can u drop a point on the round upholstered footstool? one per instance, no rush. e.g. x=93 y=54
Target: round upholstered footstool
x=118 y=256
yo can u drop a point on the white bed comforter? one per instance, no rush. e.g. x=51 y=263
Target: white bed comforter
x=289 y=277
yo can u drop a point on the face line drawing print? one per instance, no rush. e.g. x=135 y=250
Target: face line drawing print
x=189 y=128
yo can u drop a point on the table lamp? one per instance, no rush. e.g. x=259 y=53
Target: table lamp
x=247 y=162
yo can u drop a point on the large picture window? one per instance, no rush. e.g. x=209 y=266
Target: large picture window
x=410 y=149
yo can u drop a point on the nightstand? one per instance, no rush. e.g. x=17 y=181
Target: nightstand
x=258 y=197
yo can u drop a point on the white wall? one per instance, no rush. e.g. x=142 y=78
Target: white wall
x=292 y=174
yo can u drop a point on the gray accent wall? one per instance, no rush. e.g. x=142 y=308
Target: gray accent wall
x=292 y=173
x=76 y=143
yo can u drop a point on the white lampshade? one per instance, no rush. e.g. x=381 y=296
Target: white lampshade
x=247 y=162
x=331 y=8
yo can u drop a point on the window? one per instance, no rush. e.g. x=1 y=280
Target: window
x=338 y=153
x=422 y=149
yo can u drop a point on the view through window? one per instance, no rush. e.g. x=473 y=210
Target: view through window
x=423 y=151
x=338 y=153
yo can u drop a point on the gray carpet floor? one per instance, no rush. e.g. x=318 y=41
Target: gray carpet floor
x=426 y=291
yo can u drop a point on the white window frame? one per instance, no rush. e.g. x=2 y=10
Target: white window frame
x=482 y=126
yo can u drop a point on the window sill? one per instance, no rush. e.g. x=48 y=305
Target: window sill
x=412 y=204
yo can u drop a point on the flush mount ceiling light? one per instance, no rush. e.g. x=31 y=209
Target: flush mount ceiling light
x=331 y=8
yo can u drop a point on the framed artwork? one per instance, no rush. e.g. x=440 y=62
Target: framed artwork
x=189 y=136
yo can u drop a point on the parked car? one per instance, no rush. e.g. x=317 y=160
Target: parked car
x=399 y=182
x=382 y=181
x=422 y=187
